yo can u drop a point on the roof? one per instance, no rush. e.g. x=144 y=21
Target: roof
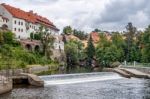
x=95 y=36
x=29 y=16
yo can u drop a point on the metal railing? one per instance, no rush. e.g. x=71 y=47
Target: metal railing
x=135 y=64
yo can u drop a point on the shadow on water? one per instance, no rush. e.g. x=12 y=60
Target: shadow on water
x=65 y=71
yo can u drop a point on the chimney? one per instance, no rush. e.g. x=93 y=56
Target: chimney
x=31 y=11
x=3 y=4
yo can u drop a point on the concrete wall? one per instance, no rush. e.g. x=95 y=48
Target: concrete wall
x=6 y=86
x=142 y=69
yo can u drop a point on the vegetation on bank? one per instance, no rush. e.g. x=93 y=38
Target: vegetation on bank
x=12 y=55
x=132 y=45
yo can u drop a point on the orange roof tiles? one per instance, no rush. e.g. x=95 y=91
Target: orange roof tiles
x=95 y=36
x=29 y=16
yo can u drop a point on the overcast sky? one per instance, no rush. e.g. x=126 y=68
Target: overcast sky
x=90 y=14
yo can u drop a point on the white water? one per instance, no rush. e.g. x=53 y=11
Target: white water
x=79 y=78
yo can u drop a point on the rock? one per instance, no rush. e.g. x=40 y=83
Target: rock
x=115 y=64
x=34 y=80
x=5 y=85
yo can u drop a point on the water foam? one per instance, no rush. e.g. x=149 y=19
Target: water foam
x=72 y=79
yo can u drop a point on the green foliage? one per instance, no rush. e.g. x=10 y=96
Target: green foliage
x=12 y=55
x=80 y=34
x=8 y=37
x=131 y=31
x=97 y=30
x=71 y=50
x=145 y=43
x=107 y=51
x=67 y=30
x=90 y=50
x=31 y=35
x=1 y=38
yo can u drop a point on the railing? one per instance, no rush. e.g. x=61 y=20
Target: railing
x=135 y=64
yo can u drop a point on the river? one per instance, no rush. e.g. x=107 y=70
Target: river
x=85 y=86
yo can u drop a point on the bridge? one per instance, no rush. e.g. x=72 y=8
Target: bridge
x=31 y=45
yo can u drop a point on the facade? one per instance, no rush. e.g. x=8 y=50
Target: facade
x=23 y=23
x=3 y=22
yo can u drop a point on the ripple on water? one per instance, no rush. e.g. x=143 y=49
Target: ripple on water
x=107 y=89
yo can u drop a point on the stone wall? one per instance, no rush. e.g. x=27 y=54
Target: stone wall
x=5 y=86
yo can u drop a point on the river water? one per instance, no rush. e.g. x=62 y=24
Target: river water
x=85 y=86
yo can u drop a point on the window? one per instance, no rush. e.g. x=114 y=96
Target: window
x=18 y=30
x=15 y=29
x=15 y=22
x=21 y=30
x=21 y=23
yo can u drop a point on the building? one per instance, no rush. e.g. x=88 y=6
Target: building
x=3 y=22
x=23 y=23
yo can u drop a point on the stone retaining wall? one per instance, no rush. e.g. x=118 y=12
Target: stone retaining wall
x=32 y=70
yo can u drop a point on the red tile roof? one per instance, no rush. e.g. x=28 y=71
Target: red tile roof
x=29 y=16
x=95 y=36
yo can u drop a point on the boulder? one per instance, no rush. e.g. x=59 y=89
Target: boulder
x=34 y=80
x=115 y=64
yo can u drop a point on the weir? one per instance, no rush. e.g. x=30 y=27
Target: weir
x=79 y=78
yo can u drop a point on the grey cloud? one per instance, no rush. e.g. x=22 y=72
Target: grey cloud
x=90 y=14
x=118 y=12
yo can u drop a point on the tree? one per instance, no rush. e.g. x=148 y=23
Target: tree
x=67 y=30
x=90 y=50
x=145 y=44
x=8 y=37
x=97 y=30
x=47 y=41
x=131 y=31
x=119 y=42
x=71 y=50
x=80 y=34
x=1 y=38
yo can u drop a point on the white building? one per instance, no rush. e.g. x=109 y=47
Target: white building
x=23 y=23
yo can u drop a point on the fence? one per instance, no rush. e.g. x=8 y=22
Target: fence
x=135 y=64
